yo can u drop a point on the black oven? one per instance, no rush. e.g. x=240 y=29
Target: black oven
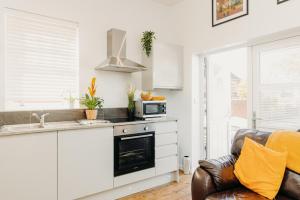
x=133 y=149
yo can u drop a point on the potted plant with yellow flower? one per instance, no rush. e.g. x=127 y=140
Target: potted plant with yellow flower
x=91 y=102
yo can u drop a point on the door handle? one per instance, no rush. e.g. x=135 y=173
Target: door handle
x=136 y=137
x=254 y=120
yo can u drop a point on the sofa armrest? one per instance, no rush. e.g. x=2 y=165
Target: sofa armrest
x=222 y=171
x=291 y=184
x=202 y=184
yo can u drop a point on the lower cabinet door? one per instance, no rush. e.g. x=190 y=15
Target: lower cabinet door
x=165 y=165
x=166 y=150
x=85 y=162
x=164 y=139
x=28 y=169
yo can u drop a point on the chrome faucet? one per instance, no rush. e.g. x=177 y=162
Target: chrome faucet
x=1 y=124
x=41 y=118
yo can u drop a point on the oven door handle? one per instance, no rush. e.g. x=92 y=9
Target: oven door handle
x=135 y=137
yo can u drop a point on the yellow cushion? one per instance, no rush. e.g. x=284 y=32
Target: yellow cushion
x=260 y=169
x=287 y=141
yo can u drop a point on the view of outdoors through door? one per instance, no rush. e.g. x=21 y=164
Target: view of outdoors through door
x=276 y=93
x=226 y=99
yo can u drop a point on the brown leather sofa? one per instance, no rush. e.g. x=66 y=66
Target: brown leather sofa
x=214 y=179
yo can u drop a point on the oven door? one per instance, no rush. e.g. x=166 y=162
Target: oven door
x=133 y=153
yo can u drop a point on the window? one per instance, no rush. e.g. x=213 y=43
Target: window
x=41 y=61
x=277 y=89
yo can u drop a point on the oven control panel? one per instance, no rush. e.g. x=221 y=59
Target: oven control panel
x=134 y=129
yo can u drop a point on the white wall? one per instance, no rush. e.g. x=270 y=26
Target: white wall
x=264 y=17
x=2 y=63
x=194 y=17
x=95 y=17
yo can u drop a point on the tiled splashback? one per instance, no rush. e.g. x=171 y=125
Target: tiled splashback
x=25 y=117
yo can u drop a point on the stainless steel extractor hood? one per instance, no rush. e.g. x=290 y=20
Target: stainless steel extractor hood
x=116 y=54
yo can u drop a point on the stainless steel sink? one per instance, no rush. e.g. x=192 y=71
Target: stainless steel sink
x=20 y=127
x=36 y=126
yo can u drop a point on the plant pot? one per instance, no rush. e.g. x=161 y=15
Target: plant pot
x=130 y=114
x=91 y=114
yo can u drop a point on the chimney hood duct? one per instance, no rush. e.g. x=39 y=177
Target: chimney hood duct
x=116 y=54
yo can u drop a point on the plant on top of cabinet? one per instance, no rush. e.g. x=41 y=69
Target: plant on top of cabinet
x=147 y=41
x=91 y=102
x=131 y=104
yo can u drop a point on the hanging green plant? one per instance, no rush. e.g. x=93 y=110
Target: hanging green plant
x=147 y=41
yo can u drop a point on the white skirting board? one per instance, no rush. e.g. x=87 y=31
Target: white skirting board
x=134 y=187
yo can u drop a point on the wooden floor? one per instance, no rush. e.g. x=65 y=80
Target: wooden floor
x=171 y=191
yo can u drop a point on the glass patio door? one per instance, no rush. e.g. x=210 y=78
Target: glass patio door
x=276 y=85
x=226 y=99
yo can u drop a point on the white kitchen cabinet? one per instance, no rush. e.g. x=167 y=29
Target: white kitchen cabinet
x=85 y=162
x=166 y=127
x=166 y=138
x=166 y=148
x=165 y=67
x=167 y=164
x=28 y=168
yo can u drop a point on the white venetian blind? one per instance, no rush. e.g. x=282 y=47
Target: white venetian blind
x=279 y=90
x=41 y=59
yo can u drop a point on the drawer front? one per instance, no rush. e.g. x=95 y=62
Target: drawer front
x=165 y=165
x=165 y=127
x=164 y=139
x=133 y=177
x=167 y=150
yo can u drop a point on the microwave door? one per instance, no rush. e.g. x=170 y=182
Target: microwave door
x=153 y=109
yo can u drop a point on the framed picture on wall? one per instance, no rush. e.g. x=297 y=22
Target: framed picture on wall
x=281 y=1
x=227 y=10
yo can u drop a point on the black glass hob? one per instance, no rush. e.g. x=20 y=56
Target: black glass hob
x=120 y=120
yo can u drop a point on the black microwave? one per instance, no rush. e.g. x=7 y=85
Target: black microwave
x=148 y=109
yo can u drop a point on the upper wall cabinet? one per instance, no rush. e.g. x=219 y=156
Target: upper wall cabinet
x=165 y=67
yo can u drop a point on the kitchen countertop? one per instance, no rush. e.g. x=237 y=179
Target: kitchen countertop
x=68 y=125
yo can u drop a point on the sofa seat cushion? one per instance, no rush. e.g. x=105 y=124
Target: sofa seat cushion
x=241 y=193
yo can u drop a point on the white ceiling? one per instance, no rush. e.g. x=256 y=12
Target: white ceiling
x=168 y=2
